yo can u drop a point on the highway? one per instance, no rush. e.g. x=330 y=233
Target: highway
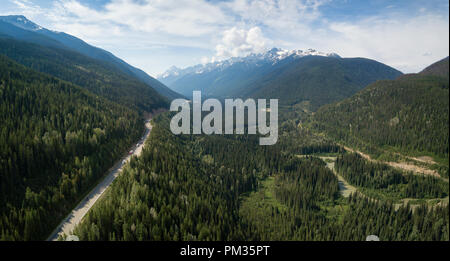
x=74 y=218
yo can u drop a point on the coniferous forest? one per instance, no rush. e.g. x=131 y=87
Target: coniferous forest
x=409 y=115
x=380 y=177
x=362 y=149
x=211 y=188
x=56 y=140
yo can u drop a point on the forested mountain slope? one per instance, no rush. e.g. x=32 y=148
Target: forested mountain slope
x=98 y=77
x=439 y=68
x=409 y=114
x=20 y=28
x=7 y=30
x=307 y=77
x=319 y=80
x=56 y=140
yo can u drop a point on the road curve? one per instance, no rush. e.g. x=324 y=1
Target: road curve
x=68 y=224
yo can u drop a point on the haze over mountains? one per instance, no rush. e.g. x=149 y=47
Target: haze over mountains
x=310 y=76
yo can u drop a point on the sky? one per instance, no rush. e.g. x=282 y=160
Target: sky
x=154 y=35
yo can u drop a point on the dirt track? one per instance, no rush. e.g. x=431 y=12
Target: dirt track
x=404 y=165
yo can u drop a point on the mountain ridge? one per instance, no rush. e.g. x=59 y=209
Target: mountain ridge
x=408 y=114
x=64 y=40
x=274 y=55
x=308 y=77
x=439 y=68
x=98 y=77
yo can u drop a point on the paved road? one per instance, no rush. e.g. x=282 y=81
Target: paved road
x=77 y=214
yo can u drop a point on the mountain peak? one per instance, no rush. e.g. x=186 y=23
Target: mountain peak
x=271 y=56
x=21 y=22
x=279 y=54
x=274 y=50
x=173 y=70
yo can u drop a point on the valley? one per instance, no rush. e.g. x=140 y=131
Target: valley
x=290 y=192
x=87 y=147
x=69 y=111
x=66 y=227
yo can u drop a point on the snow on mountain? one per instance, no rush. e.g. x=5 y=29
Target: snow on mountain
x=273 y=56
x=21 y=22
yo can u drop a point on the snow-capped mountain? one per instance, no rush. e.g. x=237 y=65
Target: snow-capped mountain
x=21 y=22
x=272 y=56
x=297 y=76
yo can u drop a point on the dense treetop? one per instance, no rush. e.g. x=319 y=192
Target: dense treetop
x=56 y=140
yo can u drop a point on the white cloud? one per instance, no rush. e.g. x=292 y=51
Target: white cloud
x=176 y=17
x=287 y=16
x=240 y=42
x=407 y=43
x=204 y=60
x=27 y=8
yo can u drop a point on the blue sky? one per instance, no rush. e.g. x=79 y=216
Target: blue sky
x=156 y=34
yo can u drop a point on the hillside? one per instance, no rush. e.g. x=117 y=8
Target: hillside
x=20 y=28
x=56 y=141
x=409 y=114
x=8 y=30
x=308 y=77
x=98 y=77
x=439 y=68
x=319 y=80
